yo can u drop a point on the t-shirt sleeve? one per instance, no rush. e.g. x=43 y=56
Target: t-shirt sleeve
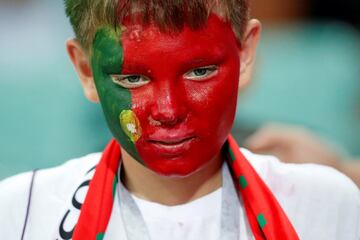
x=51 y=195
x=322 y=203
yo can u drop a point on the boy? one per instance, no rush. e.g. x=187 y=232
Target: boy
x=167 y=75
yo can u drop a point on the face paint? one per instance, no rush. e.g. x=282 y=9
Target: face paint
x=106 y=60
x=174 y=93
x=130 y=125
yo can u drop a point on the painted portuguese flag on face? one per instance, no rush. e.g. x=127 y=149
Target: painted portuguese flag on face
x=106 y=61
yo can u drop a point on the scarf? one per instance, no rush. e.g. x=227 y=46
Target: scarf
x=267 y=219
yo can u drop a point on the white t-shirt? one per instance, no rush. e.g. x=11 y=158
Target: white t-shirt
x=199 y=219
x=322 y=203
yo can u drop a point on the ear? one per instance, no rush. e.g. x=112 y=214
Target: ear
x=248 y=52
x=80 y=60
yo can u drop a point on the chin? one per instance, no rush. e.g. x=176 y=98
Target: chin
x=175 y=168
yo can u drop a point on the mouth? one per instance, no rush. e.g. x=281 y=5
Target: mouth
x=171 y=142
x=172 y=147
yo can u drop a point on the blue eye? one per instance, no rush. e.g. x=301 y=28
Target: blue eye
x=202 y=73
x=133 y=79
x=130 y=81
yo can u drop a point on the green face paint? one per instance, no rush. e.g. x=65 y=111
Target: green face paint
x=107 y=59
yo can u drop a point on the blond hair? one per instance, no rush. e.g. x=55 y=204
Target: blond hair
x=87 y=15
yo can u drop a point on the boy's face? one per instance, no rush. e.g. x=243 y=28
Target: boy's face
x=169 y=98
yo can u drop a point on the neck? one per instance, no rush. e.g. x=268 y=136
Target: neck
x=170 y=191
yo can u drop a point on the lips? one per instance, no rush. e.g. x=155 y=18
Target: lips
x=171 y=142
x=171 y=146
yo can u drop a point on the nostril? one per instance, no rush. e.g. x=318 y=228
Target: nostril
x=165 y=115
x=163 y=118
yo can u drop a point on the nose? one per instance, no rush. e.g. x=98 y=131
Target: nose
x=169 y=106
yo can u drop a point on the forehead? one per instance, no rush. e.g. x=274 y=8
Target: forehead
x=215 y=36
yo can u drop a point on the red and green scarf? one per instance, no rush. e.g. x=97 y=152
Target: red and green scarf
x=265 y=215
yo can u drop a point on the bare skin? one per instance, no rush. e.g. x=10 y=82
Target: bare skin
x=298 y=145
x=170 y=191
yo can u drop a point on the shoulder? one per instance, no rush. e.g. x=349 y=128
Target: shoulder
x=310 y=176
x=61 y=179
x=51 y=189
x=318 y=199
x=56 y=178
x=305 y=177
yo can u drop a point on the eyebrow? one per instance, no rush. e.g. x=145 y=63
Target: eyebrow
x=198 y=60
x=206 y=57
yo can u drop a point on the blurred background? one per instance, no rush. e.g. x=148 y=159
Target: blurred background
x=307 y=73
x=307 y=70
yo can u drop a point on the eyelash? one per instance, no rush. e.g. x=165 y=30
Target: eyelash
x=212 y=68
x=126 y=82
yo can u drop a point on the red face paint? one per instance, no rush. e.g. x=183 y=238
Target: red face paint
x=184 y=120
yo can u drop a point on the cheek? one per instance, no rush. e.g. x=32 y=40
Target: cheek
x=122 y=122
x=114 y=101
x=214 y=102
x=141 y=105
x=117 y=108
